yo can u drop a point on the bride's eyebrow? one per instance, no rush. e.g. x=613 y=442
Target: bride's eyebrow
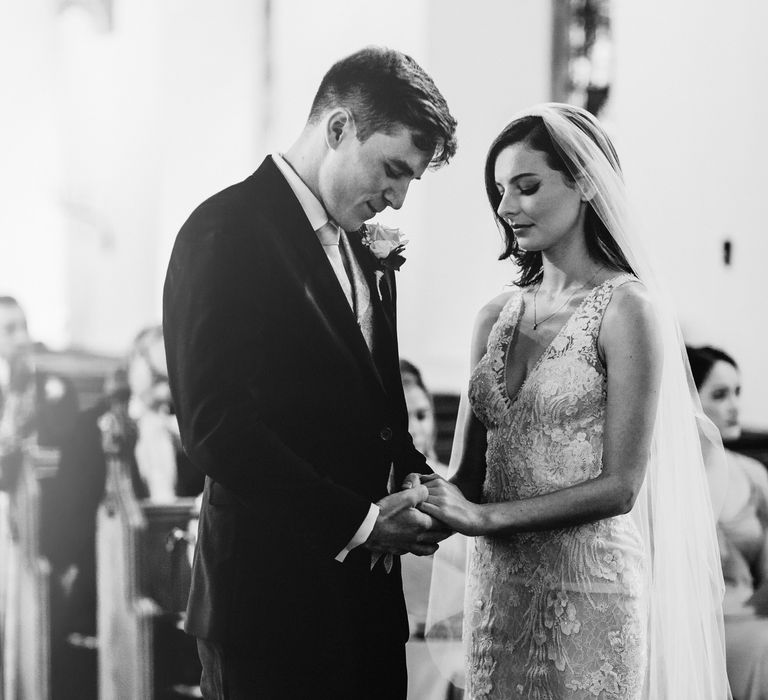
x=522 y=175
x=514 y=179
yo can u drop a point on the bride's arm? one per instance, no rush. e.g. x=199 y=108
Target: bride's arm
x=470 y=454
x=631 y=347
x=471 y=473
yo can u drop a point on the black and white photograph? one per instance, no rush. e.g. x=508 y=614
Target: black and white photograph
x=354 y=350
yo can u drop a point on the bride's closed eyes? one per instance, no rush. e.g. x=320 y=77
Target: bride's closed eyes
x=532 y=189
x=523 y=190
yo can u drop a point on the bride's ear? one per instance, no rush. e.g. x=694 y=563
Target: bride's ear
x=587 y=189
x=338 y=126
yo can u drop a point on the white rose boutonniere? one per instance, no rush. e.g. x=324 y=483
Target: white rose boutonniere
x=386 y=244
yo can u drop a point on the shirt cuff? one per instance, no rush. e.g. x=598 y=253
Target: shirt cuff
x=362 y=534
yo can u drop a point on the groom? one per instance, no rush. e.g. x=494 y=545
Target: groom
x=280 y=332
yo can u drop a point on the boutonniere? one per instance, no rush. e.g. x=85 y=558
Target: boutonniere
x=54 y=389
x=386 y=244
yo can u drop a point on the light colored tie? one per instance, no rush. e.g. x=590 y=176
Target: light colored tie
x=329 y=236
x=350 y=275
x=352 y=280
x=361 y=291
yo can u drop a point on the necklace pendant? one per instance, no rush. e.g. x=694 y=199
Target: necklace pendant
x=535 y=326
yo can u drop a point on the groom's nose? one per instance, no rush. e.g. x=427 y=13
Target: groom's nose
x=394 y=195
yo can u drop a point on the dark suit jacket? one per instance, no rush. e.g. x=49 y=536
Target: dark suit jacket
x=52 y=421
x=55 y=416
x=293 y=421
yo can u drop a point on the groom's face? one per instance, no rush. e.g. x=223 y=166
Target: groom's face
x=357 y=180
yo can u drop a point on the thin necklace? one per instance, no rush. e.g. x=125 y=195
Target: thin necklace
x=537 y=323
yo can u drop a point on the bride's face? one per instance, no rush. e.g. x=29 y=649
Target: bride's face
x=539 y=203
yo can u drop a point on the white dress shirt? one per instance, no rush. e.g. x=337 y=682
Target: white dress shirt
x=318 y=218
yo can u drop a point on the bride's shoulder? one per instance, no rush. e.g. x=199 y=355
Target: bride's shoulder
x=630 y=300
x=490 y=311
x=495 y=305
x=486 y=318
x=631 y=317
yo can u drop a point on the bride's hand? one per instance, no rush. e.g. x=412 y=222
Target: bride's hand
x=446 y=502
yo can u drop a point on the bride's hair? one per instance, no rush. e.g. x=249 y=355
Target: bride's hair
x=531 y=131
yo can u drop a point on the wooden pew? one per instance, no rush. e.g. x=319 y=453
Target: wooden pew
x=26 y=589
x=143 y=580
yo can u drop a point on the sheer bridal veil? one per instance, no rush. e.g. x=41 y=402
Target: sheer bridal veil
x=674 y=511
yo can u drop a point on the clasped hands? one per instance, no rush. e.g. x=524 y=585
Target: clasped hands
x=423 y=513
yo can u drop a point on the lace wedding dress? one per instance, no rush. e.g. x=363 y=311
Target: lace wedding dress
x=561 y=613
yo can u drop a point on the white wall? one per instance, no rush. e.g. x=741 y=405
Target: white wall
x=690 y=114
x=490 y=60
x=111 y=139
x=31 y=232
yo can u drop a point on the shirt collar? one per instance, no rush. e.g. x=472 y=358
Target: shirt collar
x=311 y=205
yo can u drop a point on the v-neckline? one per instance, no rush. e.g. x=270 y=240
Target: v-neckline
x=513 y=330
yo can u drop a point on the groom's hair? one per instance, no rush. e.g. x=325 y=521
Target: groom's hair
x=384 y=90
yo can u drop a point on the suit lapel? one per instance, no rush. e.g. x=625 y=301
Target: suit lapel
x=385 y=348
x=381 y=296
x=314 y=269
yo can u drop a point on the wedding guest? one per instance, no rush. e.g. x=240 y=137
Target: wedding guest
x=743 y=529
x=138 y=396
x=426 y=680
x=32 y=402
x=36 y=408
x=421 y=415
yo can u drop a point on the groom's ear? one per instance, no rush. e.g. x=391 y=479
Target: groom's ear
x=339 y=125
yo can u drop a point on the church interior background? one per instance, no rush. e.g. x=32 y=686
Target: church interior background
x=119 y=116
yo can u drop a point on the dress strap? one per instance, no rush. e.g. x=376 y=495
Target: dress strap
x=586 y=327
x=601 y=295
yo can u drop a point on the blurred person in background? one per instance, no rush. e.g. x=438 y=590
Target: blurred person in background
x=426 y=680
x=32 y=402
x=421 y=415
x=36 y=408
x=742 y=529
x=137 y=397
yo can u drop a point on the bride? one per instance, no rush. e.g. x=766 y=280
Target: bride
x=594 y=571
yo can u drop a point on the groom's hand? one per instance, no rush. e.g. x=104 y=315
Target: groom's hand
x=416 y=480
x=400 y=528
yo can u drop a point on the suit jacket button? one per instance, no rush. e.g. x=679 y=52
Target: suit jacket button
x=386 y=433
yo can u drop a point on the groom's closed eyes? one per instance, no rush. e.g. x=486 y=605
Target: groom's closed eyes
x=398 y=169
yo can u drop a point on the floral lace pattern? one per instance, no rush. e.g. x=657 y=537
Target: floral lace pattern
x=560 y=613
